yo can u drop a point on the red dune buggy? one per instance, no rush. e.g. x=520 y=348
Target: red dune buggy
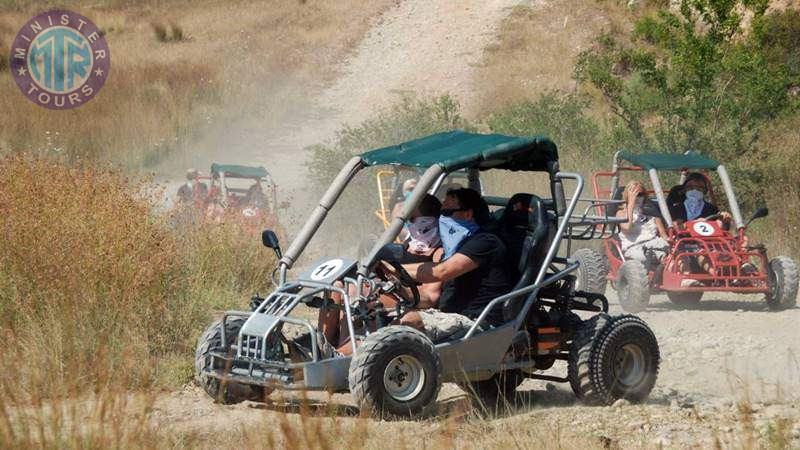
x=244 y=194
x=702 y=255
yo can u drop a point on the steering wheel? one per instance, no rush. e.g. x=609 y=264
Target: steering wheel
x=390 y=254
x=405 y=279
x=713 y=217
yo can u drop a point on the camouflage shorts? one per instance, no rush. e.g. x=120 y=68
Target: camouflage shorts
x=441 y=326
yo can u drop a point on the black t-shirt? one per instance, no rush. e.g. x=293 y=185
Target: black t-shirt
x=471 y=292
x=678 y=211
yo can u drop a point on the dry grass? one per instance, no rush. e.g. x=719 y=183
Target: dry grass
x=537 y=46
x=97 y=289
x=163 y=90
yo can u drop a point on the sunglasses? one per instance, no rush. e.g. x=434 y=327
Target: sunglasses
x=447 y=212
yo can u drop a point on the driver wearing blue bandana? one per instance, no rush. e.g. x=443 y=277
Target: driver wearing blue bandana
x=473 y=270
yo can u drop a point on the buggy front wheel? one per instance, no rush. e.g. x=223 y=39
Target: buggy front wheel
x=396 y=373
x=633 y=286
x=783 y=280
x=225 y=392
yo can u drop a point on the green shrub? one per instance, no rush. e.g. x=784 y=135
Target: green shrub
x=564 y=119
x=696 y=80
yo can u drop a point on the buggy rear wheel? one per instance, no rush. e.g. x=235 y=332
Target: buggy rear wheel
x=591 y=274
x=783 y=279
x=613 y=358
x=685 y=299
x=396 y=373
x=224 y=392
x=633 y=286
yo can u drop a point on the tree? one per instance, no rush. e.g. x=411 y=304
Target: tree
x=695 y=79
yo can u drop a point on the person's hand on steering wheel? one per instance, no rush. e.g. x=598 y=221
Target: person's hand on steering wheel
x=406 y=291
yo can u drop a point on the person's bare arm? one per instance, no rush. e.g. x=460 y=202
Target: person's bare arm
x=662 y=230
x=396 y=209
x=623 y=214
x=429 y=272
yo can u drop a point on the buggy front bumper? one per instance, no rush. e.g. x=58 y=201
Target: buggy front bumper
x=323 y=375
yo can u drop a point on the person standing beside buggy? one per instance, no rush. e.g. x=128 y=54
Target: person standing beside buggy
x=193 y=190
x=641 y=232
x=474 y=270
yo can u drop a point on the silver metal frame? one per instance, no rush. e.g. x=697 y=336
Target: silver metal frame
x=458 y=357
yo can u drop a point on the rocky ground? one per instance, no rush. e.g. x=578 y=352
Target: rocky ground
x=729 y=378
x=729 y=374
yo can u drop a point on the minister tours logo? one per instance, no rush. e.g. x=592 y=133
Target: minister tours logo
x=60 y=59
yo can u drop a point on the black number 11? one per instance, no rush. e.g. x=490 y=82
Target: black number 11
x=326 y=268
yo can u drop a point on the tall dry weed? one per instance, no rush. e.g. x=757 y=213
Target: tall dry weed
x=95 y=288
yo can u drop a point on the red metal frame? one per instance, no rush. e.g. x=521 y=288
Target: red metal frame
x=724 y=252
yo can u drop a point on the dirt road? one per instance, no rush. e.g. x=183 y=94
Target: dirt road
x=729 y=370
x=729 y=374
x=427 y=47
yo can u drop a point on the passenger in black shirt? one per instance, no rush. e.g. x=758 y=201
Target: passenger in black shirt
x=474 y=270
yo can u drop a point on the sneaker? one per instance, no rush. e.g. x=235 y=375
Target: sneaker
x=689 y=282
x=748 y=269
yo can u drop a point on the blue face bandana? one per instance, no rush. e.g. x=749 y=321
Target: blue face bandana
x=453 y=231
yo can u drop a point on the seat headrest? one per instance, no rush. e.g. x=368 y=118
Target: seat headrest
x=522 y=211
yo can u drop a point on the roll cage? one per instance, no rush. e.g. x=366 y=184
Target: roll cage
x=652 y=163
x=438 y=155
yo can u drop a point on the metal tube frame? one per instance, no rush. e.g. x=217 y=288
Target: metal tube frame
x=615 y=171
x=551 y=253
x=732 y=202
x=437 y=183
x=662 y=201
x=321 y=211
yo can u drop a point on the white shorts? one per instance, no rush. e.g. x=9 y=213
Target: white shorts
x=658 y=245
x=441 y=326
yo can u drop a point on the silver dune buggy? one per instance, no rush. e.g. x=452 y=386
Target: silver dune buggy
x=397 y=371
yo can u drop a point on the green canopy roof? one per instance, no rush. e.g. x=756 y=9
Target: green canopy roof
x=669 y=161
x=458 y=150
x=236 y=171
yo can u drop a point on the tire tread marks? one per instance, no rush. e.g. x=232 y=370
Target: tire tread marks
x=594 y=268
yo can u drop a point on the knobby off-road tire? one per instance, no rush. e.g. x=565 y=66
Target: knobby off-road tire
x=591 y=274
x=783 y=279
x=396 y=374
x=227 y=393
x=494 y=393
x=633 y=286
x=612 y=358
x=685 y=299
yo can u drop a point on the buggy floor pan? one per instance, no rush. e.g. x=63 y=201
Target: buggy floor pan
x=460 y=358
